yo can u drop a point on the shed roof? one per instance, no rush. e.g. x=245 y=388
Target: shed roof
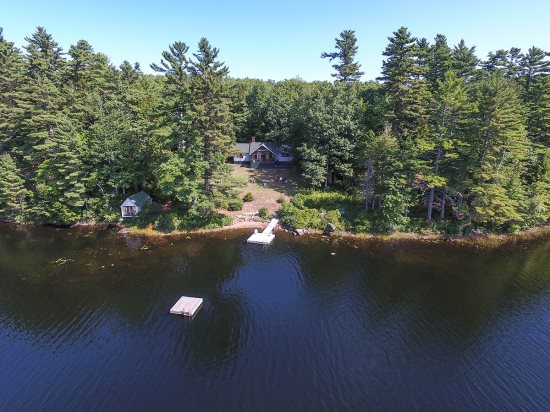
x=138 y=199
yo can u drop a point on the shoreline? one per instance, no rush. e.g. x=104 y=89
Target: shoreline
x=155 y=233
x=478 y=240
x=485 y=240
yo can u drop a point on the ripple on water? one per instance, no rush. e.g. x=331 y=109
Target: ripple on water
x=304 y=324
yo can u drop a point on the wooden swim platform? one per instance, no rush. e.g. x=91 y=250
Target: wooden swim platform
x=186 y=306
x=265 y=237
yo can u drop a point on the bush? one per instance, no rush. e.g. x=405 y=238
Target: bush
x=167 y=222
x=361 y=223
x=217 y=220
x=287 y=213
x=263 y=213
x=298 y=201
x=235 y=205
x=328 y=200
x=334 y=217
x=281 y=200
x=248 y=197
x=296 y=218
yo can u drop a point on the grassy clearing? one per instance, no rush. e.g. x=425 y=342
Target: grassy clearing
x=267 y=188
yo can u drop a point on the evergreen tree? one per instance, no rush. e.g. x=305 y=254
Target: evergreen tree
x=88 y=70
x=43 y=99
x=13 y=194
x=404 y=80
x=535 y=74
x=61 y=178
x=11 y=79
x=500 y=150
x=404 y=75
x=129 y=73
x=496 y=61
x=514 y=60
x=534 y=64
x=314 y=165
x=88 y=81
x=538 y=204
x=539 y=110
x=440 y=61
x=463 y=60
x=386 y=186
x=210 y=134
x=449 y=125
x=331 y=131
x=347 y=70
x=177 y=172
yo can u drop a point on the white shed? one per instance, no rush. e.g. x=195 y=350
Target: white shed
x=134 y=204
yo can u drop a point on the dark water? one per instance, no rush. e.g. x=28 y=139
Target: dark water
x=292 y=327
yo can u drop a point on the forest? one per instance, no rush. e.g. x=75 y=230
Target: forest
x=443 y=139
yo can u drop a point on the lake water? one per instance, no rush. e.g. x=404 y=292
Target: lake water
x=305 y=324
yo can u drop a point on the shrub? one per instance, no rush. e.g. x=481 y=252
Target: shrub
x=287 y=213
x=235 y=205
x=281 y=200
x=361 y=223
x=298 y=201
x=248 y=197
x=217 y=220
x=263 y=213
x=308 y=219
x=334 y=217
x=167 y=222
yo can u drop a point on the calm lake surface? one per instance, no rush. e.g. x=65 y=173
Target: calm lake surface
x=84 y=324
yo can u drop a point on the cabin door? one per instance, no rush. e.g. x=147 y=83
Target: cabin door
x=129 y=210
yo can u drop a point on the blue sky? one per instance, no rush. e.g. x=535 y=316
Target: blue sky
x=276 y=39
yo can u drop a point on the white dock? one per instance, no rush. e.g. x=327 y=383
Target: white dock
x=266 y=237
x=186 y=306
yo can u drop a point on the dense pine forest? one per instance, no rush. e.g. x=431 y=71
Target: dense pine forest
x=442 y=140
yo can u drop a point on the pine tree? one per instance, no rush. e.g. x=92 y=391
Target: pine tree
x=406 y=87
x=449 y=124
x=88 y=81
x=347 y=70
x=210 y=135
x=13 y=194
x=386 y=186
x=539 y=110
x=43 y=99
x=11 y=79
x=179 y=167
x=538 y=204
x=514 y=60
x=129 y=73
x=440 y=61
x=496 y=61
x=61 y=178
x=464 y=60
x=330 y=133
x=535 y=74
x=88 y=70
x=500 y=150
x=534 y=64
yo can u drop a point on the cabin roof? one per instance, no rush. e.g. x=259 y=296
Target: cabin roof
x=249 y=148
x=138 y=199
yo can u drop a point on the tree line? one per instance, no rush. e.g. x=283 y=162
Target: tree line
x=441 y=136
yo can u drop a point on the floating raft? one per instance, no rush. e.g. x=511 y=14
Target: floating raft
x=186 y=306
x=266 y=237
